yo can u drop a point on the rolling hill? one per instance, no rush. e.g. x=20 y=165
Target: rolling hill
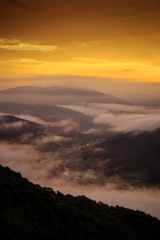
x=12 y=128
x=49 y=113
x=134 y=156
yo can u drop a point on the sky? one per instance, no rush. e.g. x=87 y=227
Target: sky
x=85 y=42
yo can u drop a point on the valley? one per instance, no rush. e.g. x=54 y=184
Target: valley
x=101 y=150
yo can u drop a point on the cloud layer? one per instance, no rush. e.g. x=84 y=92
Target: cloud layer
x=17 y=45
x=119 y=117
x=129 y=122
x=50 y=169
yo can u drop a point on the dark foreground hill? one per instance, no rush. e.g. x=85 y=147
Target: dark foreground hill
x=30 y=212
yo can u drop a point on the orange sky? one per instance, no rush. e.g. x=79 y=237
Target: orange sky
x=103 y=39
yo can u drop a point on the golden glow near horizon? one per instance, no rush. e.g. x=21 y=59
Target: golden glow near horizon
x=105 y=39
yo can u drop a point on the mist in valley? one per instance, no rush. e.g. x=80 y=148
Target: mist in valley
x=48 y=148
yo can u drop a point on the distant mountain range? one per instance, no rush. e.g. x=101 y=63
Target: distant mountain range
x=56 y=95
x=30 y=212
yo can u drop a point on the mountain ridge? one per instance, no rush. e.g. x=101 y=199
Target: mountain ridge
x=61 y=94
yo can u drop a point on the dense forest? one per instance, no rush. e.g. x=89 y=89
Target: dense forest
x=30 y=212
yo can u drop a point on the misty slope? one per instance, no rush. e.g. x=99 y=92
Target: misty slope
x=11 y=128
x=45 y=112
x=143 y=99
x=27 y=89
x=57 y=95
x=28 y=212
x=134 y=156
x=12 y=119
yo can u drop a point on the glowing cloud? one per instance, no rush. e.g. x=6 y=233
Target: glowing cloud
x=17 y=45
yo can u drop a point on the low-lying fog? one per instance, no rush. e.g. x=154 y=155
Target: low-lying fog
x=37 y=167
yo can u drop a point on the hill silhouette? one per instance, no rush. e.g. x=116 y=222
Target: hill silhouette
x=30 y=212
x=12 y=128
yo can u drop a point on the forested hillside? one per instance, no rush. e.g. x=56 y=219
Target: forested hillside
x=30 y=212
